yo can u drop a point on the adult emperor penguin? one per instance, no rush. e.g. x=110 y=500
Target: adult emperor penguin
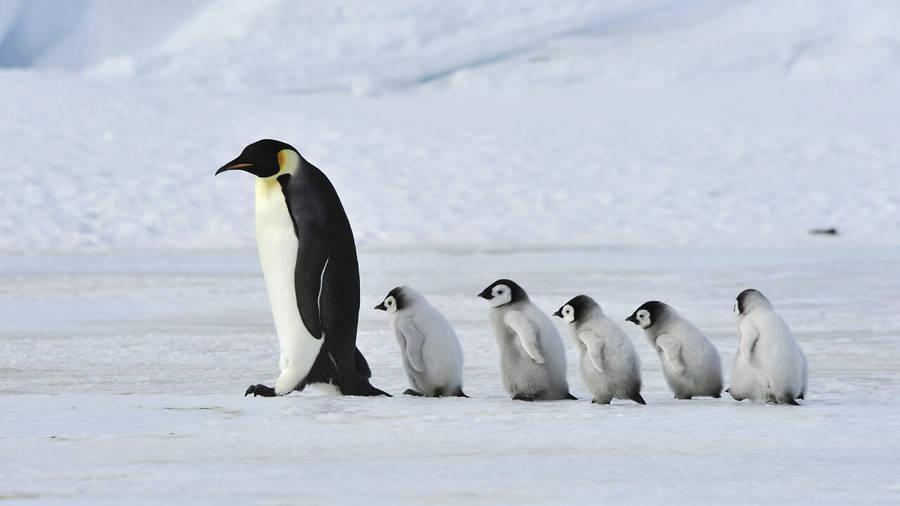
x=609 y=365
x=769 y=365
x=432 y=356
x=309 y=263
x=690 y=362
x=532 y=357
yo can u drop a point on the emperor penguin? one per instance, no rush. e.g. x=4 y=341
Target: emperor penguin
x=309 y=264
x=690 y=362
x=532 y=357
x=609 y=365
x=769 y=365
x=432 y=355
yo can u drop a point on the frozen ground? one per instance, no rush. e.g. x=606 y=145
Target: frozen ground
x=123 y=378
x=630 y=149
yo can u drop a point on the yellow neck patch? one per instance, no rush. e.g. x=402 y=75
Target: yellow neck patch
x=288 y=162
x=267 y=187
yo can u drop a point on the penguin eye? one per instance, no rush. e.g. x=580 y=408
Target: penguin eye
x=500 y=291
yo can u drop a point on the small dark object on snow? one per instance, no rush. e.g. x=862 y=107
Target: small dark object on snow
x=824 y=231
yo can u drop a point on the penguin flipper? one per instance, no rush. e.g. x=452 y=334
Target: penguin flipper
x=527 y=334
x=260 y=390
x=309 y=273
x=415 y=340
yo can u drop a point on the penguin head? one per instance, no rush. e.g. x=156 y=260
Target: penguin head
x=576 y=309
x=265 y=159
x=395 y=300
x=748 y=300
x=503 y=291
x=648 y=314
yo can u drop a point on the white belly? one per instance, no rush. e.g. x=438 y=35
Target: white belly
x=278 y=247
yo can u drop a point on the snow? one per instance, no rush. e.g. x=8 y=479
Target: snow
x=130 y=388
x=630 y=150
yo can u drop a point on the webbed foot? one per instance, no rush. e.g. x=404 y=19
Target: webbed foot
x=260 y=390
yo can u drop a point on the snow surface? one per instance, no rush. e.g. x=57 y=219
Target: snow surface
x=630 y=149
x=123 y=378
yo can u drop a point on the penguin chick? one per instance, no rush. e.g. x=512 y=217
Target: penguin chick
x=432 y=356
x=690 y=362
x=609 y=365
x=769 y=365
x=532 y=356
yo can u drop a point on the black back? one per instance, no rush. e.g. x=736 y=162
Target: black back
x=328 y=273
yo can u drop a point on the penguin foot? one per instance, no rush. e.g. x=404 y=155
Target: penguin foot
x=260 y=390
x=638 y=399
x=684 y=397
x=600 y=401
x=520 y=397
x=717 y=396
x=410 y=391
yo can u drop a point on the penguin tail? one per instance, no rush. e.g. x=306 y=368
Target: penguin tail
x=459 y=393
x=636 y=397
x=570 y=397
x=362 y=365
x=364 y=389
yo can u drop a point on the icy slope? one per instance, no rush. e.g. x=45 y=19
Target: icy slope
x=495 y=125
x=359 y=46
x=104 y=167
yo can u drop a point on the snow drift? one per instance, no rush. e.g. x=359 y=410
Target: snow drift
x=487 y=125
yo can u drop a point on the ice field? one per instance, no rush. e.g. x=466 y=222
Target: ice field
x=629 y=150
x=124 y=375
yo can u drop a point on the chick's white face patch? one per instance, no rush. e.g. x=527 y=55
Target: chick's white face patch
x=390 y=304
x=568 y=313
x=643 y=318
x=500 y=294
